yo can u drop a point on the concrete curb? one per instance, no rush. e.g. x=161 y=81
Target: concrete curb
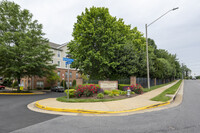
x=17 y=94
x=96 y=111
x=107 y=112
x=174 y=96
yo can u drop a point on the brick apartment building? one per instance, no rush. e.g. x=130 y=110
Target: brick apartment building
x=61 y=69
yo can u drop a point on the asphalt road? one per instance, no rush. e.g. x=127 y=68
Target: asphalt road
x=184 y=118
x=14 y=113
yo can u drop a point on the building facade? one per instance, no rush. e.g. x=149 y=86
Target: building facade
x=61 y=69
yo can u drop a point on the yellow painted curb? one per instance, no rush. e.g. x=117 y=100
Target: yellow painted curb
x=97 y=111
x=21 y=93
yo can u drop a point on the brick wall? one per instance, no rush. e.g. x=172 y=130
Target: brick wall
x=34 y=80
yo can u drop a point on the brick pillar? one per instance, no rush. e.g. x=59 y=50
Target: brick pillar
x=79 y=81
x=133 y=80
x=154 y=81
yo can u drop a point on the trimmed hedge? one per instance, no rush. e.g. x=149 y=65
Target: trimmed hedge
x=120 y=86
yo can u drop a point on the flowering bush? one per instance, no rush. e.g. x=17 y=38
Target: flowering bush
x=87 y=90
x=135 y=88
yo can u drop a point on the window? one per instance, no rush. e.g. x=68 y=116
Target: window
x=58 y=63
x=58 y=53
x=58 y=83
x=70 y=83
x=76 y=75
x=40 y=84
x=67 y=66
x=70 y=75
x=22 y=83
x=58 y=73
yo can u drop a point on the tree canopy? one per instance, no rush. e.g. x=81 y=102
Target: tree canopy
x=23 y=49
x=104 y=47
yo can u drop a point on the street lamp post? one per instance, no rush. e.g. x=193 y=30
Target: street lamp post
x=68 y=56
x=146 y=26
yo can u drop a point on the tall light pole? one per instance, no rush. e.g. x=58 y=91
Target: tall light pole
x=146 y=26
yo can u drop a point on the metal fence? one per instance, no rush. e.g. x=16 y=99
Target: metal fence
x=141 y=81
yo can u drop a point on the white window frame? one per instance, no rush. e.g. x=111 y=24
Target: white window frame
x=58 y=73
x=59 y=63
x=70 y=83
x=40 y=84
x=59 y=53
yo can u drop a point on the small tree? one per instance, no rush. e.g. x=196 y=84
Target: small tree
x=74 y=83
x=52 y=78
x=63 y=84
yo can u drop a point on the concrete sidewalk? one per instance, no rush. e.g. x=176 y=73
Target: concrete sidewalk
x=127 y=105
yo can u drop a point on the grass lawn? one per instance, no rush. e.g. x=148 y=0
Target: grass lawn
x=64 y=99
x=155 y=87
x=162 y=97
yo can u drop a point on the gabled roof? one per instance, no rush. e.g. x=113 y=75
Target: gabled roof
x=54 y=45
x=63 y=45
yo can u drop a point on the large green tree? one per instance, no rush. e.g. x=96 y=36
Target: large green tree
x=23 y=48
x=102 y=45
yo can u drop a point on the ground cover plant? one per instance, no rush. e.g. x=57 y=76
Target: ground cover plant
x=162 y=97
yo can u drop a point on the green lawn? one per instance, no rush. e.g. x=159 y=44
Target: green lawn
x=155 y=87
x=64 y=99
x=162 y=97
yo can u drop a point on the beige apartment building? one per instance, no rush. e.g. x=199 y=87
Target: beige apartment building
x=61 y=69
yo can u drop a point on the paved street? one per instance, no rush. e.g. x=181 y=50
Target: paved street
x=15 y=115
x=184 y=118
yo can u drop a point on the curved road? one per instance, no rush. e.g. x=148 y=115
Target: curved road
x=184 y=118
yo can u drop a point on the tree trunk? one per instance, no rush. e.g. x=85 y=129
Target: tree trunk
x=18 y=88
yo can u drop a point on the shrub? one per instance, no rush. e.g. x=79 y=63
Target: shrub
x=138 y=91
x=111 y=95
x=100 y=96
x=47 y=88
x=74 y=83
x=87 y=90
x=63 y=84
x=115 y=91
x=117 y=95
x=120 y=86
x=71 y=92
x=107 y=92
x=123 y=92
x=132 y=92
x=135 y=88
x=96 y=85
x=99 y=90
x=39 y=88
x=14 y=84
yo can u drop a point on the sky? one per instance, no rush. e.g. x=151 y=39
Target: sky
x=178 y=32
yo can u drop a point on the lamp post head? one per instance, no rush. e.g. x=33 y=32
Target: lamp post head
x=175 y=8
